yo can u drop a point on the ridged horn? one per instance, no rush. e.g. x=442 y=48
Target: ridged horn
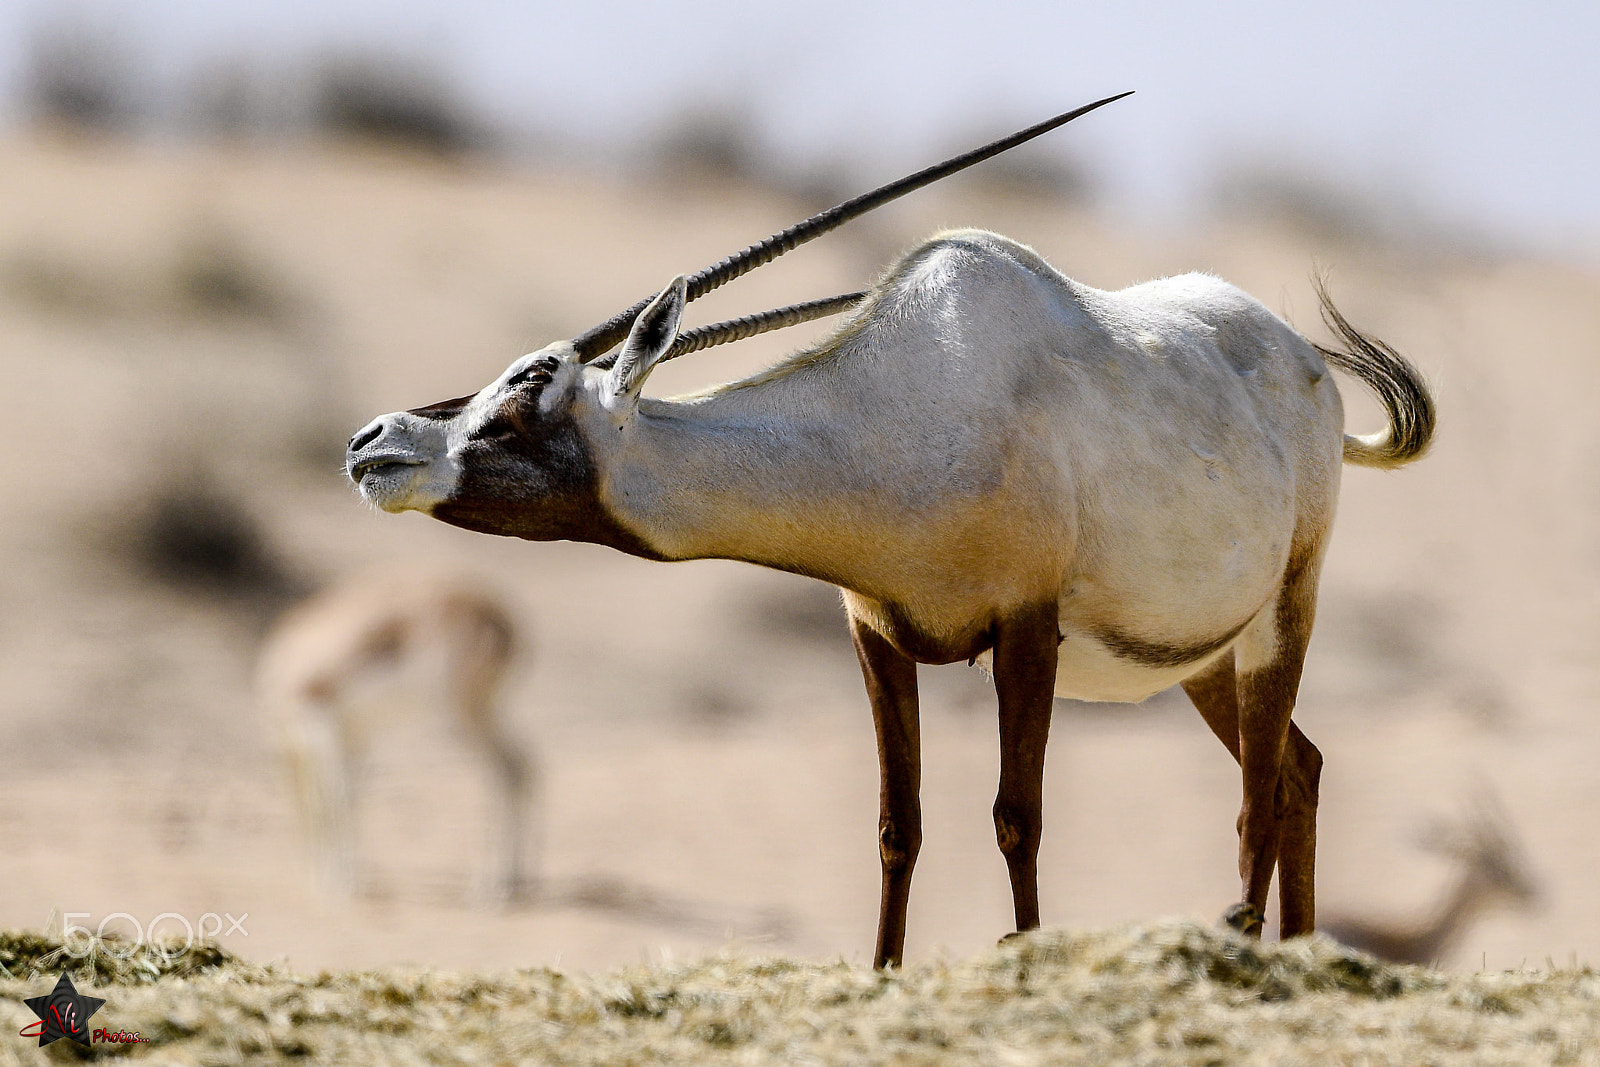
x=596 y=342
x=721 y=333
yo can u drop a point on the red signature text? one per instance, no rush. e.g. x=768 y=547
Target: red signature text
x=119 y=1037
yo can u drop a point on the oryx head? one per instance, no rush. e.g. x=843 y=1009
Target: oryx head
x=519 y=456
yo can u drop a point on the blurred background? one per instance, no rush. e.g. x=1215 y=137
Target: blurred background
x=231 y=234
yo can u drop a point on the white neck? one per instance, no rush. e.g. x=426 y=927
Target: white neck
x=735 y=476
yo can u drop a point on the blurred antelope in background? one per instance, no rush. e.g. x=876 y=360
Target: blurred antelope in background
x=1492 y=872
x=1094 y=494
x=345 y=666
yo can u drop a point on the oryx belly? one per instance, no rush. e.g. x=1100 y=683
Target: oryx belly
x=1086 y=669
x=1172 y=570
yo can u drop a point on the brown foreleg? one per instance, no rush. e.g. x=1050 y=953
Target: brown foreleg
x=1024 y=678
x=892 y=688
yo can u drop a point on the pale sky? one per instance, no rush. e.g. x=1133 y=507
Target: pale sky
x=1478 y=112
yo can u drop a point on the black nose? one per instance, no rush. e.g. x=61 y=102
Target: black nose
x=365 y=437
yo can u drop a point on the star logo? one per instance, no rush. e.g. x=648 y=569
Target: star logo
x=62 y=1012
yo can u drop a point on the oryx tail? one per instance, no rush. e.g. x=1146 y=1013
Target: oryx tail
x=1398 y=384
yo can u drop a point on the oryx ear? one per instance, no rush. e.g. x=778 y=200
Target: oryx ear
x=651 y=337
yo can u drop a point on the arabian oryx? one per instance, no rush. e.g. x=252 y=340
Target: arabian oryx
x=1094 y=494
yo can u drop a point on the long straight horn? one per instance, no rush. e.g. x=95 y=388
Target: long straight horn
x=597 y=341
x=750 y=325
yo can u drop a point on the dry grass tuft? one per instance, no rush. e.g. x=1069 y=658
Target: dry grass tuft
x=1171 y=993
x=27 y=955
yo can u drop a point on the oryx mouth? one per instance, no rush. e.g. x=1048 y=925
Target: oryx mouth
x=380 y=464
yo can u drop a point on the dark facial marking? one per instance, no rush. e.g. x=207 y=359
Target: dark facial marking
x=529 y=473
x=538 y=374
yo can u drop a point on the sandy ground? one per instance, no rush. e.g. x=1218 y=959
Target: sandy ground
x=707 y=757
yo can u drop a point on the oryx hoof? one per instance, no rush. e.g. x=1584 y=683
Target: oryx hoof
x=1244 y=917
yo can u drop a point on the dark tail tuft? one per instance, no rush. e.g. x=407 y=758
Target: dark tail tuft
x=1399 y=386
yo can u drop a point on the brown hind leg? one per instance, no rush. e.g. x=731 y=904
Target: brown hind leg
x=1216 y=695
x=1297 y=836
x=1278 y=816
